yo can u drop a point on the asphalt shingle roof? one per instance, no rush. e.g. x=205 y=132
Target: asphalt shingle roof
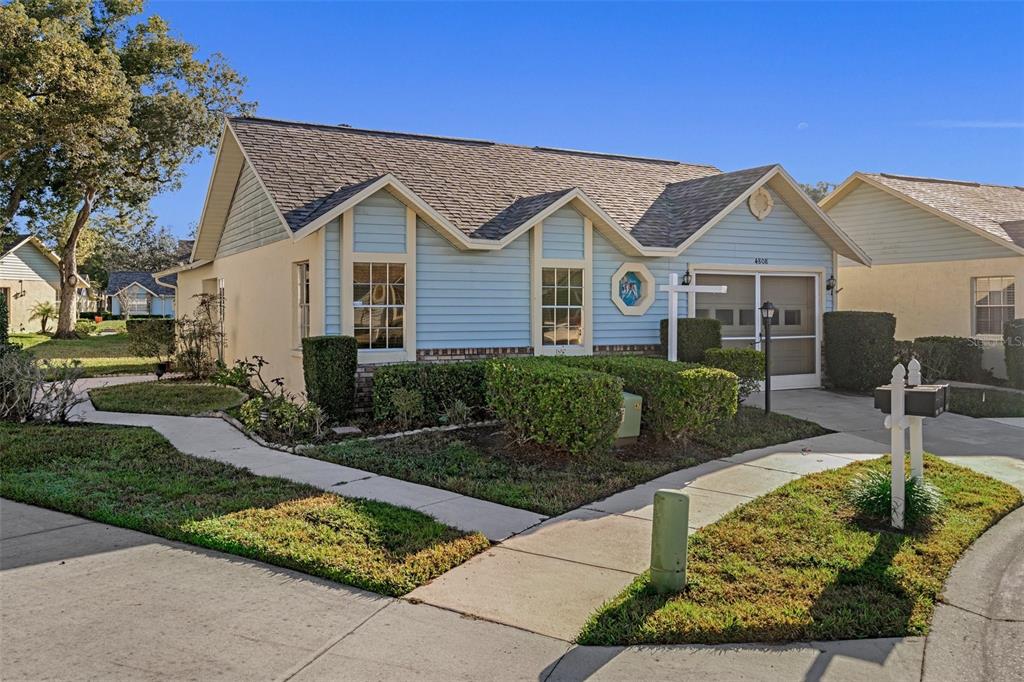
x=485 y=189
x=997 y=209
x=120 y=280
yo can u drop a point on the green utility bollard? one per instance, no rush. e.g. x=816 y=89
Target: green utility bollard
x=668 y=540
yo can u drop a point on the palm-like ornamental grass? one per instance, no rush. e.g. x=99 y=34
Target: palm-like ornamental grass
x=871 y=494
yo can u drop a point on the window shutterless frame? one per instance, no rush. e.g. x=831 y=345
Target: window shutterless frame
x=993 y=302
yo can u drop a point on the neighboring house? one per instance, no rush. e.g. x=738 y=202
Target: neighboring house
x=431 y=248
x=30 y=274
x=946 y=255
x=139 y=293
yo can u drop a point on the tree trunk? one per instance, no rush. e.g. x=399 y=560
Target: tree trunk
x=66 y=318
x=12 y=205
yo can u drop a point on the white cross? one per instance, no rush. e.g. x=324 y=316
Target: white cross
x=674 y=288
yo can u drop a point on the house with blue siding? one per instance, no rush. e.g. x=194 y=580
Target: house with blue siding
x=434 y=249
x=134 y=294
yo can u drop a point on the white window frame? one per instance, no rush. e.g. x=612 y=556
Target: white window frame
x=301 y=288
x=537 y=265
x=349 y=257
x=975 y=306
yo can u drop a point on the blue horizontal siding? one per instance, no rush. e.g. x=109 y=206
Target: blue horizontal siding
x=379 y=223
x=332 y=278
x=563 y=234
x=471 y=299
x=610 y=325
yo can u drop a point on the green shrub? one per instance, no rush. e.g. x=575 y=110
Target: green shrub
x=680 y=399
x=696 y=335
x=871 y=495
x=859 y=349
x=1013 y=348
x=440 y=384
x=282 y=419
x=408 y=405
x=5 y=319
x=554 y=405
x=746 y=363
x=986 y=402
x=949 y=357
x=329 y=368
x=153 y=337
x=85 y=327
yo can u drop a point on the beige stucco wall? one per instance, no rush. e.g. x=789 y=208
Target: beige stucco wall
x=36 y=291
x=259 y=302
x=929 y=299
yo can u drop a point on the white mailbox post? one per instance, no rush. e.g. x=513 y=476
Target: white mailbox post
x=896 y=422
x=916 y=425
x=674 y=288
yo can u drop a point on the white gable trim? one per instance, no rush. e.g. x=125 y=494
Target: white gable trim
x=851 y=183
x=38 y=244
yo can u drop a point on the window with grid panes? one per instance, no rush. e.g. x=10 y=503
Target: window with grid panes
x=378 y=301
x=562 y=306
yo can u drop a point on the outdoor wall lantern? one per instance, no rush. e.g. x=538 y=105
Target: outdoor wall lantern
x=686 y=277
x=830 y=283
x=767 y=313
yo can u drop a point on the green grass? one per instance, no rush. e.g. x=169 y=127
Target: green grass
x=480 y=463
x=166 y=397
x=100 y=355
x=798 y=565
x=986 y=402
x=132 y=477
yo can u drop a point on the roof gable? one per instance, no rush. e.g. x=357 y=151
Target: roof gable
x=993 y=211
x=119 y=281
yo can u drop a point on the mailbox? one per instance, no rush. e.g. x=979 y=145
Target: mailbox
x=927 y=400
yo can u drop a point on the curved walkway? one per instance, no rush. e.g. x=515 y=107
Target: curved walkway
x=213 y=438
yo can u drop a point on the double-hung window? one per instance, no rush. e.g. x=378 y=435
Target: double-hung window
x=994 y=302
x=301 y=300
x=378 y=301
x=562 y=306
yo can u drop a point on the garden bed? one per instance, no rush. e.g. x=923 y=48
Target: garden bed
x=798 y=565
x=482 y=463
x=182 y=398
x=133 y=478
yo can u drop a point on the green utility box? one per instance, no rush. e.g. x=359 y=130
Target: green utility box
x=629 y=429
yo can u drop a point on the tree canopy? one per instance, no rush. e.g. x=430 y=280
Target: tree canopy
x=106 y=109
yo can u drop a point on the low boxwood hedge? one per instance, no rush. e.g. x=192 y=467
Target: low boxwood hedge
x=555 y=405
x=329 y=368
x=746 y=363
x=1013 y=347
x=954 y=358
x=440 y=385
x=680 y=399
x=696 y=335
x=859 y=349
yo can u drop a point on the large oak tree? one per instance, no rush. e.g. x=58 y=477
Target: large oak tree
x=141 y=106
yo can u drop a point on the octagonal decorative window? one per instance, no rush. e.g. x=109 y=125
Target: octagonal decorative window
x=632 y=289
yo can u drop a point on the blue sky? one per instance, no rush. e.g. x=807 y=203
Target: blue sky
x=824 y=89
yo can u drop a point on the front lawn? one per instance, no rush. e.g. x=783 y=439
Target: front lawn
x=482 y=463
x=166 y=397
x=100 y=355
x=134 y=478
x=798 y=565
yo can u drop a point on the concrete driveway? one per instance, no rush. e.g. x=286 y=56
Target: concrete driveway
x=949 y=434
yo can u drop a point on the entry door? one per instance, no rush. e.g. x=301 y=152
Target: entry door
x=795 y=336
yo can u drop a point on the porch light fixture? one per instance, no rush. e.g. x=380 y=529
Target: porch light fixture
x=686 y=277
x=767 y=313
x=830 y=283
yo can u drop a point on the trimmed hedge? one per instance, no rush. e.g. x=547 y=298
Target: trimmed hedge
x=5 y=320
x=696 y=335
x=1013 y=348
x=859 y=349
x=985 y=402
x=329 y=368
x=441 y=385
x=746 y=363
x=954 y=358
x=149 y=337
x=680 y=400
x=555 y=405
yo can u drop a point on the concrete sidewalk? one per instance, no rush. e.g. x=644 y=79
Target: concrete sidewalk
x=214 y=438
x=550 y=578
x=83 y=600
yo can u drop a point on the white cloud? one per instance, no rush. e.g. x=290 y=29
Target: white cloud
x=972 y=124
x=803 y=125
